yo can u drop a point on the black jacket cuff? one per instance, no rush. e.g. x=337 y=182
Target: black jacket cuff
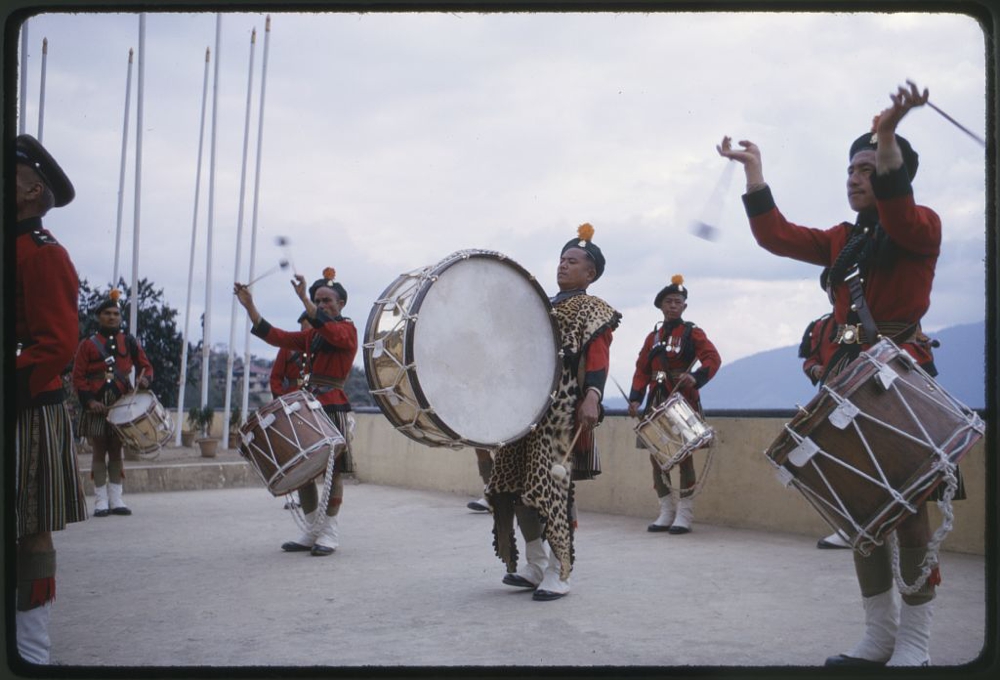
x=758 y=202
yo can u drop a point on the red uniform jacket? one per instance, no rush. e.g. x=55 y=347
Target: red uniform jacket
x=673 y=347
x=328 y=351
x=897 y=292
x=93 y=374
x=46 y=325
x=817 y=345
x=286 y=372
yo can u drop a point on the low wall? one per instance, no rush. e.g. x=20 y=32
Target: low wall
x=741 y=488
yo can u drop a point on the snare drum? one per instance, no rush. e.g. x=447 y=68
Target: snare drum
x=673 y=431
x=464 y=352
x=873 y=444
x=289 y=441
x=141 y=422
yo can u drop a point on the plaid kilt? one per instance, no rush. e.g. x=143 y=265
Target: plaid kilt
x=96 y=424
x=49 y=494
x=345 y=461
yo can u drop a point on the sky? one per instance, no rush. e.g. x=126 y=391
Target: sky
x=390 y=141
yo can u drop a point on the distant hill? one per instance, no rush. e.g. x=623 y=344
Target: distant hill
x=774 y=379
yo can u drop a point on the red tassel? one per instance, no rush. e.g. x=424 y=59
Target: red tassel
x=42 y=590
x=935 y=577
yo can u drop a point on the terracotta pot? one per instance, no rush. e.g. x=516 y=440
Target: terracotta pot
x=209 y=447
x=187 y=439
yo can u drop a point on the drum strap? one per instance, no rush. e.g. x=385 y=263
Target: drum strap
x=859 y=304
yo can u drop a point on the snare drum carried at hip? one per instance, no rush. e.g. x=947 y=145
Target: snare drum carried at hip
x=289 y=441
x=446 y=343
x=141 y=422
x=673 y=431
x=874 y=443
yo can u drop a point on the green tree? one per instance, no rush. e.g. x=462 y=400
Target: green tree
x=158 y=332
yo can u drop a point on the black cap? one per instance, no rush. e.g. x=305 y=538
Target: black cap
x=870 y=141
x=676 y=285
x=328 y=282
x=585 y=232
x=29 y=151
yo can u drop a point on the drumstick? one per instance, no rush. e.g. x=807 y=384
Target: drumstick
x=624 y=396
x=137 y=379
x=958 y=125
x=285 y=242
x=281 y=265
x=678 y=383
x=559 y=469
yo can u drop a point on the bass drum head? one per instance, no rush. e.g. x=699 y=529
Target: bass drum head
x=485 y=349
x=130 y=407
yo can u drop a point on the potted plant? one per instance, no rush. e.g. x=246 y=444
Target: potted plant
x=201 y=419
x=234 y=425
x=188 y=434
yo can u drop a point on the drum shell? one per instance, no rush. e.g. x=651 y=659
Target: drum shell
x=141 y=422
x=673 y=431
x=845 y=475
x=288 y=441
x=392 y=357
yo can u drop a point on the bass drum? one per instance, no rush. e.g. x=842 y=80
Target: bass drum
x=464 y=352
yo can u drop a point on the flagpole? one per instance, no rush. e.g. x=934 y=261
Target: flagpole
x=41 y=89
x=253 y=221
x=121 y=171
x=137 y=208
x=194 y=234
x=239 y=248
x=206 y=350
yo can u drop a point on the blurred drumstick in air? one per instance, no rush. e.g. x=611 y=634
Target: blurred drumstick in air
x=281 y=265
x=284 y=242
x=711 y=214
x=958 y=125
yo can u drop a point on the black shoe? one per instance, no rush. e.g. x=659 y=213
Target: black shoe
x=101 y=513
x=518 y=581
x=321 y=551
x=546 y=595
x=121 y=511
x=676 y=530
x=844 y=660
x=657 y=527
x=292 y=546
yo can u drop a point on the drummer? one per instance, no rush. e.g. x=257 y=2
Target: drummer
x=523 y=481
x=286 y=371
x=102 y=375
x=664 y=365
x=328 y=347
x=893 y=246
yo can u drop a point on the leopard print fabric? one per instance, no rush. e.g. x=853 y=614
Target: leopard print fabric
x=522 y=470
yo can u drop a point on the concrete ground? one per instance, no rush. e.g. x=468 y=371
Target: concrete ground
x=195 y=578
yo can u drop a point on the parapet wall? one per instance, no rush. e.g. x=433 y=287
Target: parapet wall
x=741 y=488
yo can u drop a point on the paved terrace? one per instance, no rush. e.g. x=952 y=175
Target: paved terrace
x=194 y=584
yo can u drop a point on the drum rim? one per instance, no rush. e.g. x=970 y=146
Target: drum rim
x=408 y=338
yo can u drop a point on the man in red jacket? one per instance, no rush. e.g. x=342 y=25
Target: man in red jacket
x=47 y=484
x=328 y=346
x=101 y=376
x=891 y=250
x=663 y=365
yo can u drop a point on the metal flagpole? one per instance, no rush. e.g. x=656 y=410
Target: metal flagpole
x=134 y=302
x=239 y=248
x=206 y=349
x=121 y=172
x=41 y=89
x=253 y=221
x=194 y=234
x=22 y=112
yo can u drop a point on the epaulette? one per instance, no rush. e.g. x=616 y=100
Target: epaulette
x=43 y=238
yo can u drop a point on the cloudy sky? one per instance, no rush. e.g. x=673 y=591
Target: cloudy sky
x=393 y=140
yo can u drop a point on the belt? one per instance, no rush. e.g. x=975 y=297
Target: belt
x=899 y=332
x=321 y=384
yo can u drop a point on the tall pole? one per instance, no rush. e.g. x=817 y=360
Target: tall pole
x=194 y=234
x=41 y=89
x=134 y=302
x=206 y=349
x=239 y=247
x=23 y=103
x=121 y=172
x=253 y=222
